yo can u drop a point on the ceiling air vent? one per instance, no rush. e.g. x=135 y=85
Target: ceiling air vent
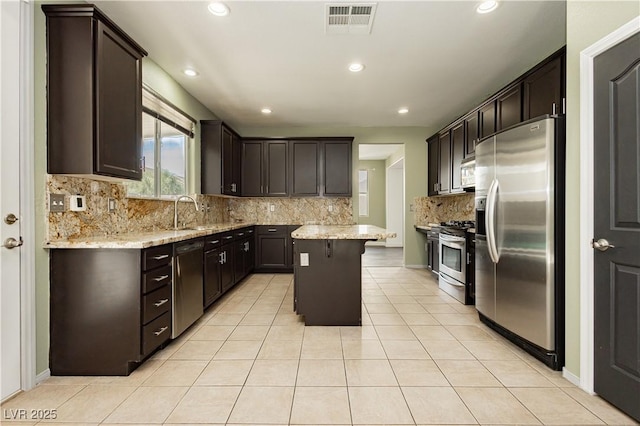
x=343 y=18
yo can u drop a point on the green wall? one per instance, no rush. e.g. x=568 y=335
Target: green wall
x=415 y=166
x=377 y=193
x=154 y=77
x=587 y=22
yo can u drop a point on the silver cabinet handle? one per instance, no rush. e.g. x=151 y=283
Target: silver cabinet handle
x=225 y=256
x=160 y=257
x=601 y=244
x=162 y=330
x=221 y=261
x=160 y=303
x=553 y=109
x=160 y=278
x=214 y=242
x=272 y=230
x=12 y=243
x=240 y=234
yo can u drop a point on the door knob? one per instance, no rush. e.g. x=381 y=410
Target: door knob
x=601 y=244
x=10 y=219
x=12 y=243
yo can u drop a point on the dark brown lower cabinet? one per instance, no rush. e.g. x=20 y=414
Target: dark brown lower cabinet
x=212 y=282
x=274 y=251
x=227 y=269
x=109 y=309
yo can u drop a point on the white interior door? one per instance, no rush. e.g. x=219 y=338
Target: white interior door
x=10 y=257
x=395 y=203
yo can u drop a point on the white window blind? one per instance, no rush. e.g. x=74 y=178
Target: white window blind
x=158 y=107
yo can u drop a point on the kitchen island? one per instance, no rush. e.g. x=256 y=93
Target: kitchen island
x=328 y=272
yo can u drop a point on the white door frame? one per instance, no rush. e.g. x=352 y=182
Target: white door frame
x=587 y=197
x=387 y=204
x=26 y=190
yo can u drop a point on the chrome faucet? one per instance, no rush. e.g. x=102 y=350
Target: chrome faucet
x=175 y=209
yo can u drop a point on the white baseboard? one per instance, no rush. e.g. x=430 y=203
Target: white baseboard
x=43 y=376
x=570 y=377
x=394 y=245
x=416 y=266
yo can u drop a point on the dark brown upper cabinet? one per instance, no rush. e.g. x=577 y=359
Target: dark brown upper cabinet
x=487 y=119
x=457 y=155
x=221 y=153
x=265 y=168
x=94 y=94
x=336 y=168
x=471 y=135
x=543 y=90
x=509 y=108
x=305 y=167
x=444 y=155
x=537 y=92
x=433 y=159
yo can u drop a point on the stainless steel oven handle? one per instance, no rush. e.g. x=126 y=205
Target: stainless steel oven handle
x=452 y=238
x=448 y=281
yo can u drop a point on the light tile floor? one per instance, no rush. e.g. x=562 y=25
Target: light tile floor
x=419 y=358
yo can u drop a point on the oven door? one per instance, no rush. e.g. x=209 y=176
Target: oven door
x=453 y=255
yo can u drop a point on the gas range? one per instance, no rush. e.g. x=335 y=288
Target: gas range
x=456 y=227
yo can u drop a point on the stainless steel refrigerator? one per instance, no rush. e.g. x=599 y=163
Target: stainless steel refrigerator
x=520 y=237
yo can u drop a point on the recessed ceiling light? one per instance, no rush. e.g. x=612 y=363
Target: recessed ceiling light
x=266 y=110
x=403 y=110
x=218 y=8
x=356 y=67
x=487 y=6
x=190 y=72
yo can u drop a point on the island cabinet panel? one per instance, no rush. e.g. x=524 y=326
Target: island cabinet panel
x=544 y=90
x=509 y=108
x=105 y=316
x=337 y=168
x=94 y=95
x=328 y=290
x=305 y=168
x=221 y=153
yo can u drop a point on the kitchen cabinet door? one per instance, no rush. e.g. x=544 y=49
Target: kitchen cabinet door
x=276 y=168
x=457 y=155
x=94 y=94
x=272 y=251
x=252 y=168
x=444 y=180
x=471 y=135
x=337 y=168
x=212 y=282
x=305 y=170
x=487 y=117
x=221 y=155
x=227 y=279
x=433 y=159
x=544 y=90
x=509 y=108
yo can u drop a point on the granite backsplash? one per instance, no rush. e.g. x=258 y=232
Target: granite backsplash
x=142 y=215
x=440 y=209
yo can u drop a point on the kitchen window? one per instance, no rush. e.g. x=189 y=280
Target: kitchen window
x=167 y=135
x=363 y=192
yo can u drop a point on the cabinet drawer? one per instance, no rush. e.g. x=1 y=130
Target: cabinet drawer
x=227 y=237
x=213 y=241
x=272 y=229
x=240 y=233
x=157 y=278
x=156 y=256
x=156 y=303
x=156 y=333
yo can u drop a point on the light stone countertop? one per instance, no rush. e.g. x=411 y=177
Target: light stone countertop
x=341 y=232
x=144 y=239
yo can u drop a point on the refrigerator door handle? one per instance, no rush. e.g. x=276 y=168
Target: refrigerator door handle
x=490 y=219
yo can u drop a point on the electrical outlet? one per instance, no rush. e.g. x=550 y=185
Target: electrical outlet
x=272 y=207
x=330 y=207
x=304 y=259
x=411 y=209
x=111 y=205
x=56 y=203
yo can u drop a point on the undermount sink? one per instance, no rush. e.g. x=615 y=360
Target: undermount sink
x=197 y=228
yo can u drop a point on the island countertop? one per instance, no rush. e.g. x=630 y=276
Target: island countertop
x=341 y=232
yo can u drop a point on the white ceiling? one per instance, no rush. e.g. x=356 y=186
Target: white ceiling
x=377 y=151
x=437 y=58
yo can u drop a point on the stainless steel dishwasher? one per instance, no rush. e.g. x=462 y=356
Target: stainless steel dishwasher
x=187 y=285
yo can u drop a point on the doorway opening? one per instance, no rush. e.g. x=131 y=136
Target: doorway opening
x=380 y=200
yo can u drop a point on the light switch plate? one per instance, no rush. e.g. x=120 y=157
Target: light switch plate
x=77 y=203
x=304 y=259
x=56 y=202
x=272 y=207
x=111 y=205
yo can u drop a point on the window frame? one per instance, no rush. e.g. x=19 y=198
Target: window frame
x=366 y=193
